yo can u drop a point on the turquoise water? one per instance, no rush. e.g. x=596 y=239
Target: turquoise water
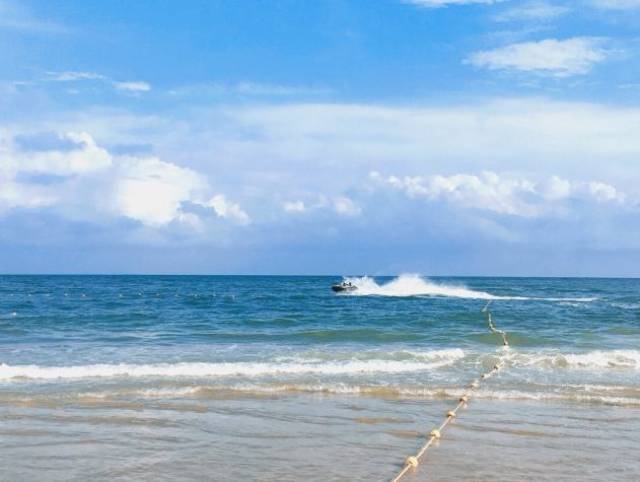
x=219 y=378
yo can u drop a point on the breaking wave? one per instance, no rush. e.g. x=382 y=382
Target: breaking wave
x=594 y=360
x=625 y=396
x=582 y=393
x=337 y=365
x=427 y=361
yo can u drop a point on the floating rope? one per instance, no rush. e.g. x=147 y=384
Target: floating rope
x=502 y=333
x=413 y=461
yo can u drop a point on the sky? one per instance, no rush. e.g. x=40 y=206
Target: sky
x=440 y=137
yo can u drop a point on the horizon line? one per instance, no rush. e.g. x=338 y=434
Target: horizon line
x=324 y=275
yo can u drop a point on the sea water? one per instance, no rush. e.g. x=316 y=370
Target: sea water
x=278 y=378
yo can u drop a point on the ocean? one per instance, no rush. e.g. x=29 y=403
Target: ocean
x=280 y=379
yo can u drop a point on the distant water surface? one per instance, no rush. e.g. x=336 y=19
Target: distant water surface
x=278 y=378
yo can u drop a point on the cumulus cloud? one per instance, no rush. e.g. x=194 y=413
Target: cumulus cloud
x=604 y=192
x=307 y=164
x=152 y=191
x=83 y=156
x=85 y=180
x=486 y=192
x=228 y=210
x=501 y=194
x=559 y=58
x=14 y=195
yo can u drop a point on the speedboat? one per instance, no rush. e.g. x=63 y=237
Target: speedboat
x=345 y=286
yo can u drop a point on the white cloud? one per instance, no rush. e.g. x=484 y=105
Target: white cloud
x=14 y=16
x=228 y=210
x=616 y=4
x=85 y=181
x=84 y=158
x=294 y=206
x=17 y=195
x=328 y=203
x=133 y=86
x=249 y=89
x=252 y=88
x=630 y=86
x=314 y=142
x=604 y=192
x=533 y=11
x=501 y=194
x=556 y=188
x=79 y=76
x=444 y=3
x=559 y=58
x=346 y=206
x=269 y=154
x=486 y=192
x=342 y=205
x=152 y=191
x=73 y=76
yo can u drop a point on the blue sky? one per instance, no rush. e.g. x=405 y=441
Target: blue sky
x=299 y=137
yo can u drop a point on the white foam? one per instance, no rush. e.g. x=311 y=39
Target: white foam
x=593 y=360
x=606 y=359
x=430 y=392
x=627 y=306
x=169 y=392
x=415 y=285
x=435 y=359
x=341 y=364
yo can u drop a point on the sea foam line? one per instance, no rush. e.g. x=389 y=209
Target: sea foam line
x=618 y=395
x=598 y=359
x=438 y=359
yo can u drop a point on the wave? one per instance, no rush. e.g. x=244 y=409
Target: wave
x=415 y=285
x=344 y=363
x=626 y=306
x=433 y=393
x=598 y=360
x=601 y=394
x=428 y=361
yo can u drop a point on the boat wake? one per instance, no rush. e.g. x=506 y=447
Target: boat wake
x=414 y=285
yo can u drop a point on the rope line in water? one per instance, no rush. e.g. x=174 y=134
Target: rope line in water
x=413 y=461
x=502 y=333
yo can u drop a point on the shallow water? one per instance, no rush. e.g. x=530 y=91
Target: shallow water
x=277 y=378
